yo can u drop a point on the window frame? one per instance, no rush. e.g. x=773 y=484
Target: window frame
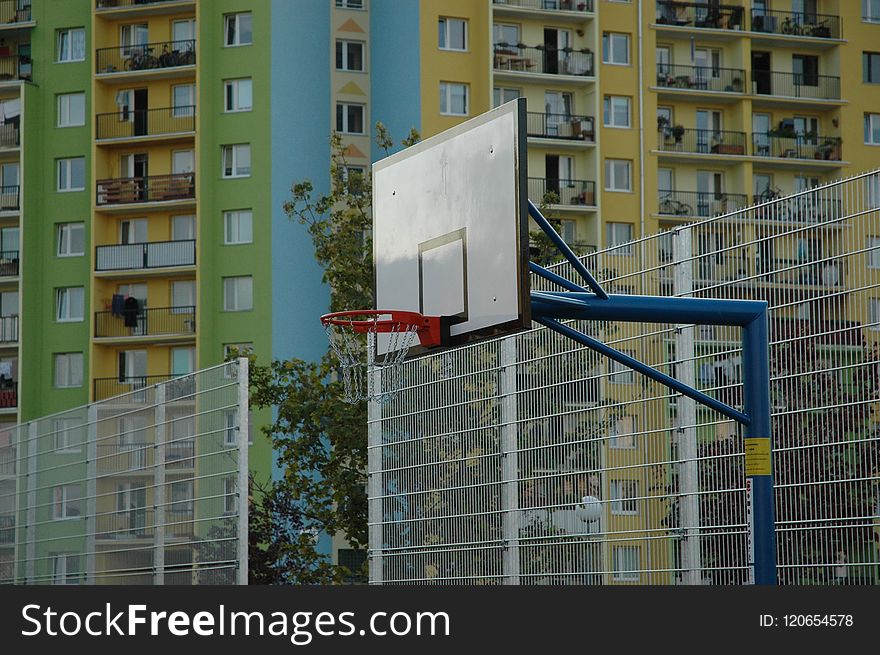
x=68 y=358
x=625 y=575
x=446 y=98
x=66 y=164
x=357 y=5
x=341 y=54
x=63 y=234
x=624 y=492
x=187 y=110
x=233 y=150
x=60 y=112
x=65 y=426
x=608 y=49
x=63 y=500
x=227 y=215
x=227 y=297
x=235 y=85
x=237 y=43
x=69 y=31
x=871 y=119
x=612 y=242
x=345 y=118
x=448 y=48
x=611 y=113
x=611 y=177
x=60 y=292
x=867 y=16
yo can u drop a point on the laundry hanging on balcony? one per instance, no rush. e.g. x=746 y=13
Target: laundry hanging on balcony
x=131 y=312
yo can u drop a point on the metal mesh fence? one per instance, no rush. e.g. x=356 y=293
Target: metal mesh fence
x=149 y=487
x=532 y=460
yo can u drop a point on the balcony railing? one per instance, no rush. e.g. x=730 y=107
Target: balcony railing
x=178 y=387
x=140 y=523
x=553 y=61
x=821 y=26
x=799 y=209
x=154 y=188
x=700 y=15
x=561 y=126
x=799 y=146
x=796 y=85
x=116 y=4
x=148 y=322
x=124 y=457
x=567 y=192
x=180 y=454
x=147 y=56
x=9 y=198
x=7 y=460
x=14 y=11
x=550 y=5
x=156 y=254
x=15 y=67
x=9 y=263
x=9 y=394
x=146 y=122
x=718 y=142
x=8 y=329
x=7 y=530
x=698 y=203
x=701 y=78
x=9 y=136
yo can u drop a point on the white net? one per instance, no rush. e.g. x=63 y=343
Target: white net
x=355 y=344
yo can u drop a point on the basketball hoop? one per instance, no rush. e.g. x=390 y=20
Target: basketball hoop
x=362 y=358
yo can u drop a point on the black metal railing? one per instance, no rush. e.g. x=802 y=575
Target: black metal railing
x=797 y=146
x=9 y=135
x=9 y=394
x=147 y=56
x=821 y=26
x=718 y=142
x=553 y=61
x=7 y=530
x=701 y=78
x=700 y=15
x=8 y=329
x=796 y=85
x=154 y=188
x=116 y=4
x=146 y=122
x=14 y=11
x=124 y=457
x=154 y=254
x=549 y=5
x=9 y=200
x=561 y=126
x=8 y=263
x=566 y=192
x=698 y=203
x=7 y=461
x=147 y=322
x=16 y=67
x=799 y=209
x=177 y=387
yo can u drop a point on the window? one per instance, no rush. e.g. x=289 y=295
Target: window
x=71 y=44
x=872 y=192
x=71 y=239
x=233 y=350
x=184 y=100
x=871 y=10
x=230 y=438
x=871 y=67
x=452 y=33
x=71 y=109
x=453 y=99
x=618 y=175
x=505 y=35
x=68 y=370
x=349 y=55
x=354 y=178
x=239 y=94
x=623 y=433
x=805 y=69
x=616 y=111
x=69 y=303
x=239 y=29
x=501 y=95
x=230 y=495
x=238 y=227
x=65 y=568
x=182 y=497
x=66 y=502
x=349 y=118
x=183 y=227
x=618 y=373
x=237 y=160
x=350 y=4
x=183 y=296
x=625 y=564
x=68 y=434
x=624 y=494
x=872 y=129
x=619 y=236
x=72 y=174
x=664 y=60
x=615 y=48
x=238 y=293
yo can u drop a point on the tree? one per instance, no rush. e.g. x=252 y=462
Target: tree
x=321 y=442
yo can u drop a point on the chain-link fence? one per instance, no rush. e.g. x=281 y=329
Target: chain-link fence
x=532 y=460
x=149 y=487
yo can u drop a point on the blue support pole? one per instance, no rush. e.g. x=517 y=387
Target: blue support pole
x=558 y=279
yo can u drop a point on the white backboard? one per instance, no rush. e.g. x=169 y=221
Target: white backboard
x=450 y=226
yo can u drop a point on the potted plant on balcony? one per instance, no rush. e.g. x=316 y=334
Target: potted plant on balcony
x=737 y=84
x=828 y=149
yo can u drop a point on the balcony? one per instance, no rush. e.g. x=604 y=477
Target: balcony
x=162 y=321
x=15 y=13
x=139 y=523
x=701 y=78
x=147 y=57
x=9 y=136
x=146 y=123
x=709 y=142
x=9 y=263
x=136 y=4
x=797 y=146
x=124 y=457
x=550 y=6
x=795 y=85
x=8 y=329
x=153 y=188
x=15 y=67
x=7 y=461
x=8 y=394
x=178 y=387
x=136 y=256
x=699 y=204
x=567 y=192
x=7 y=530
x=561 y=126
x=9 y=200
x=700 y=15
x=550 y=61
x=816 y=26
x=771 y=206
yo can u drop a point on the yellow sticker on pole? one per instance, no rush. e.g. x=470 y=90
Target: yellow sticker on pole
x=758 y=456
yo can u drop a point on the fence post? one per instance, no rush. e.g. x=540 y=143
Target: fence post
x=686 y=411
x=243 y=471
x=91 y=492
x=159 y=497
x=31 y=529
x=374 y=478
x=510 y=514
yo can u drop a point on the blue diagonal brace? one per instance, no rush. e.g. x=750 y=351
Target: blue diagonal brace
x=557 y=240
x=537 y=269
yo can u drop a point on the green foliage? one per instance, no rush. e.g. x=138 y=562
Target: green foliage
x=321 y=441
